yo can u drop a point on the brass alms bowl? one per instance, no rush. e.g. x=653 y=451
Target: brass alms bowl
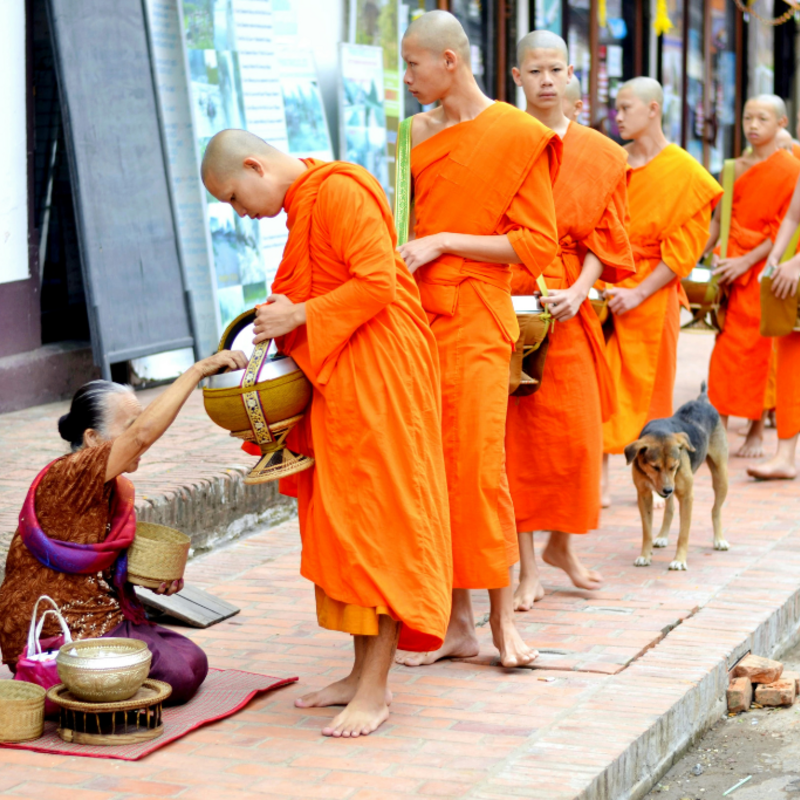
x=260 y=404
x=104 y=670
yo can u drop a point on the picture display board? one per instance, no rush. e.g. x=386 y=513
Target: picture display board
x=126 y=224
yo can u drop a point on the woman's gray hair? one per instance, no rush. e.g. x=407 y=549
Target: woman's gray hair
x=90 y=409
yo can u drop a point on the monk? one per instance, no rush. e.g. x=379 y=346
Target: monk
x=765 y=177
x=573 y=100
x=787 y=355
x=482 y=174
x=373 y=510
x=671 y=198
x=558 y=490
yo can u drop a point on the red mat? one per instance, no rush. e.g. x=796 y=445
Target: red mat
x=223 y=693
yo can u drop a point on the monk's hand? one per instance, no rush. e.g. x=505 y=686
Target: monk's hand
x=170 y=588
x=277 y=317
x=785 y=279
x=564 y=304
x=419 y=252
x=622 y=300
x=729 y=269
x=223 y=361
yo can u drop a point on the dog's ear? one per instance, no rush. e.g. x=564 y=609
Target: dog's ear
x=684 y=442
x=633 y=450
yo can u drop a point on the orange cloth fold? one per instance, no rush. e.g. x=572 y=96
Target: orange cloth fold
x=739 y=368
x=490 y=176
x=670 y=199
x=373 y=510
x=787 y=385
x=554 y=437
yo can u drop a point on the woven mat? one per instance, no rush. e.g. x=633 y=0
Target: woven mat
x=223 y=693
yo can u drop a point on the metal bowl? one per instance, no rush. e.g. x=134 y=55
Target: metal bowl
x=104 y=670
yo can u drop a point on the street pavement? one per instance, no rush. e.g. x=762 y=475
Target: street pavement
x=626 y=677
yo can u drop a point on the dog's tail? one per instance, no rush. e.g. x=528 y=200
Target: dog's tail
x=704 y=392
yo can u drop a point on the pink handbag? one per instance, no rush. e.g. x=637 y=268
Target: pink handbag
x=37 y=664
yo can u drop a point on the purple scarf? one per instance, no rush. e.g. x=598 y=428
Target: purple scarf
x=89 y=559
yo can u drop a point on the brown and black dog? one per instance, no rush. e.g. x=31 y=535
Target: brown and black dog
x=665 y=457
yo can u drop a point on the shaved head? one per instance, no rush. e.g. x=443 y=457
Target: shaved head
x=226 y=153
x=784 y=139
x=438 y=31
x=648 y=90
x=573 y=92
x=541 y=40
x=773 y=101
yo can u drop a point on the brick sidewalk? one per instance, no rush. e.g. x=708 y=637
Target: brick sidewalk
x=638 y=668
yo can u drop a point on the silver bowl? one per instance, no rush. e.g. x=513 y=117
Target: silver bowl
x=104 y=670
x=270 y=370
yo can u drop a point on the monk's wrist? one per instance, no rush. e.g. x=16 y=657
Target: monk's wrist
x=299 y=314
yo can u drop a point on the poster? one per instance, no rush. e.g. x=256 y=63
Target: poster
x=361 y=111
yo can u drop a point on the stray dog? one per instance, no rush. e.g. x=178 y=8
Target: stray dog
x=665 y=457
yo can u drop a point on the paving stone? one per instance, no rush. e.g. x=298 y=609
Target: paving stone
x=739 y=695
x=758 y=669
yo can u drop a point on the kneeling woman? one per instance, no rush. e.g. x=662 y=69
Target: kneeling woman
x=79 y=519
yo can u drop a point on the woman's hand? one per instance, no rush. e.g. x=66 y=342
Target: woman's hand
x=170 y=588
x=223 y=361
x=729 y=269
x=785 y=278
x=419 y=252
x=623 y=300
x=563 y=304
x=277 y=317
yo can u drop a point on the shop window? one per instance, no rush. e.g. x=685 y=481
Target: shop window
x=580 y=52
x=671 y=72
x=477 y=17
x=615 y=61
x=760 y=51
x=722 y=83
x=695 y=121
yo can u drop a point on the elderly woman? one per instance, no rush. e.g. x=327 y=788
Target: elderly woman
x=79 y=519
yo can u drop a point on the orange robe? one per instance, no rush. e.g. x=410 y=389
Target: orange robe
x=373 y=510
x=670 y=199
x=796 y=150
x=489 y=176
x=787 y=385
x=739 y=368
x=554 y=437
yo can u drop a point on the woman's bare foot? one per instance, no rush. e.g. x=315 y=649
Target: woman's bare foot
x=339 y=693
x=774 y=469
x=605 y=500
x=559 y=553
x=527 y=593
x=513 y=651
x=363 y=715
x=753 y=447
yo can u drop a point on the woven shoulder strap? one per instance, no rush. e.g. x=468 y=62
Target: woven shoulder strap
x=791 y=249
x=728 y=175
x=402 y=184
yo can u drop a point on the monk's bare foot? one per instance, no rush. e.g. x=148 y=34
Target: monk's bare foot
x=339 y=693
x=770 y=422
x=753 y=447
x=527 y=593
x=775 y=469
x=744 y=430
x=513 y=651
x=363 y=715
x=459 y=642
x=605 y=500
x=559 y=553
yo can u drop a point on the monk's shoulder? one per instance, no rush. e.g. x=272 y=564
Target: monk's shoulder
x=688 y=172
x=338 y=192
x=597 y=145
x=426 y=124
x=517 y=123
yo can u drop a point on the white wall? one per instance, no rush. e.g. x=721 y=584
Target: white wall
x=13 y=155
x=321 y=26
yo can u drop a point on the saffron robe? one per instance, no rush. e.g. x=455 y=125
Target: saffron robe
x=489 y=176
x=670 y=199
x=554 y=437
x=787 y=385
x=373 y=510
x=739 y=368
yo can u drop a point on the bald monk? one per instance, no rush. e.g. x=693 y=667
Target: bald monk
x=558 y=489
x=670 y=198
x=765 y=177
x=373 y=510
x=787 y=355
x=573 y=100
x=482 y=174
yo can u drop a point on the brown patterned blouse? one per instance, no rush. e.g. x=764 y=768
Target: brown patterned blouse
x=72 y=504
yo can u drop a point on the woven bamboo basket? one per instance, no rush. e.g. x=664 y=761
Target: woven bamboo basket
x=158 y=555
x=21 y=711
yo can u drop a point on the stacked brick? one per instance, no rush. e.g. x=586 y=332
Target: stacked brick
x=762 y=680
